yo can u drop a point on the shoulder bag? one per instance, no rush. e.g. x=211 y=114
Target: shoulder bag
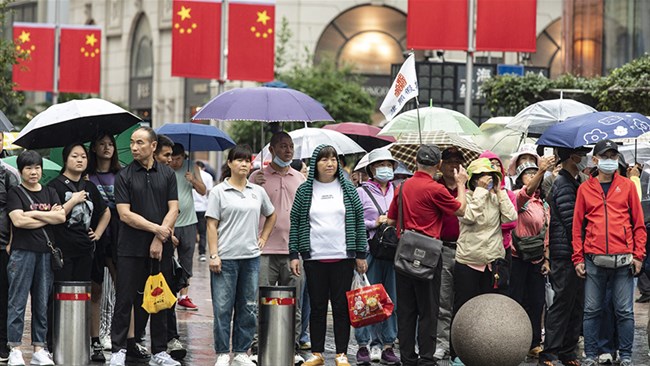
x=384 y=243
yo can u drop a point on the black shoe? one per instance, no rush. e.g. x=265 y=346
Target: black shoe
x=643 y=298
x=98 y=353
x=4 y=354
x=139 y=354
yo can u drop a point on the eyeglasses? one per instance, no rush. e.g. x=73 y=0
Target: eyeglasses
x=529 y=172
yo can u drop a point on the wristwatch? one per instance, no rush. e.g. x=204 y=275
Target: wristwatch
x=214 y=256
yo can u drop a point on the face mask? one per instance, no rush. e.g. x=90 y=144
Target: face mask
x=384 y=173
x=281 y=163
x=583 y=163
x=607 y=166
x=490 y=186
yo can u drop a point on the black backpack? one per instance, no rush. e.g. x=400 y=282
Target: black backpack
x=384 y=243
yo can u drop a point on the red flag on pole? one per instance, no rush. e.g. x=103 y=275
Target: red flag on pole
x=36 y=42
x=517 y=34
x=196 y=37
x=437 y=25
x=251 y=40
x=80 y=59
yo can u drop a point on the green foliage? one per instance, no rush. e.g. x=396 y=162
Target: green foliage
x=11 y=101
x=507 y=94
x=627 y=88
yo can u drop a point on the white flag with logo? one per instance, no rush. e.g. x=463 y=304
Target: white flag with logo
x=404 y=88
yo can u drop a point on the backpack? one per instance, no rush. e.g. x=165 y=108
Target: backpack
x=384 y=243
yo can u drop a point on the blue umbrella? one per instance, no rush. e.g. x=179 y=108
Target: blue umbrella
x=587 y=129
x=197 y=137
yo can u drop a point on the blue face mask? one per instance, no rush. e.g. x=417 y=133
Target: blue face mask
x=281 y=163
x=384 y=174
x=607 y=166
x=490 y=186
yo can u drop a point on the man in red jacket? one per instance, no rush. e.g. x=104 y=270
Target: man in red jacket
x=609 y=240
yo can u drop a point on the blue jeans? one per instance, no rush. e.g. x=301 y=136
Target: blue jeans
x=29 y=273
x=304 y=313
x=235 y=288
x=622 y=287
x=384 y=333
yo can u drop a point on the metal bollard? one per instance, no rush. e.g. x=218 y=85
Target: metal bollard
x=277 y=309
x=71 y=330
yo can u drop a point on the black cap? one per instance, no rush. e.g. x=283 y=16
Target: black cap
x=604 y=145
x=564 y=152
x=428 y=155
x=452 y=152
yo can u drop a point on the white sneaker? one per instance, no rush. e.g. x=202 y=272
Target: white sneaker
x=118 y=358
x=605 y=359
x=106 y=343
x=15 y=358
x=298 y=359
x=41 y=357
x=223 y=360
x=375 y=354
x=163 y=359
x=242 y=359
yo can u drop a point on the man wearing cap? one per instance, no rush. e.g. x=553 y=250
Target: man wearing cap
x=563 y=317
x=603 y=253
x=424 y=202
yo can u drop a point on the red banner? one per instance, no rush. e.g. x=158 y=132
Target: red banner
x=516 y=34
x=437 y=25
x=80 y=59
x=196 y=37
x=35 y=72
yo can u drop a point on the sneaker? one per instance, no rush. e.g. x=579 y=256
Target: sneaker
x=106 y=343
x=202 y=258
x=163 y=359
x=305 y=346
x=176 y=350
x=605 y=359
x=573 y=362
x=297 y=359
x=375 y=354
x=440 y=354
x=341 y=360
x=456 y=362
x=41 y=357
x=16 y=358
x=118 y=358
x=363 y=356
x=242 y=359
x=98 y=353
x=552 y=363
x=535 y=351
x=139 y=354
x=626 y=362
x=186 y=304
x=316 y=359
x=223 y=360
x=388 y=357
x=589 y=362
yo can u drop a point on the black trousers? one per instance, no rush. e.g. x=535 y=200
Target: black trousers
x=417 y=317
x=329 y=282
x=132 y=273
x=4 y=298
x=644 y=284
x=563 y=320
x=527 y=288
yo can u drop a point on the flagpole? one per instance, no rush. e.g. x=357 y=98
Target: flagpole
x=469 y=68
x=223 y=57
x=57 y=38
x=417 y=110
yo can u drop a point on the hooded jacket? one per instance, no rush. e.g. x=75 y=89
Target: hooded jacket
x=506 y=228
x=299 y=234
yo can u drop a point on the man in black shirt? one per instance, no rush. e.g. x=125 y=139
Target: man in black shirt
x=147 y=202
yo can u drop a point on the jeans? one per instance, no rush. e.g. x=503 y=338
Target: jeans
x=607 y=342
x=622 y=286
x=235 y=288
x=29 y=273
x=384 y=333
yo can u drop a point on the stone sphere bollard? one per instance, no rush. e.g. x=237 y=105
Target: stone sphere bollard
x=490 y=330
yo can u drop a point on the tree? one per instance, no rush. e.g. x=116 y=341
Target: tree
x=11 y=101
x=627 y=88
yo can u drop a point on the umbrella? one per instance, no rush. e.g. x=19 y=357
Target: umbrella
x=8 y=141
x=305 y=141
x=5 y=124
x=407 y=146
x=363 y=134
x=74 y=121
x=431 y=119
x=590 y=128
x=498 y=139
x=536 y=118
x=51 y=169
x=263 y=105
x=197 y=137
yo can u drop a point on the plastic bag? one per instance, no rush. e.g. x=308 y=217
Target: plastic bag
x=549 y=293
x=367 y=304
x=157 y=295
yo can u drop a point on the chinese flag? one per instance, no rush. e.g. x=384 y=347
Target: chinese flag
x=80 y=59
x=437 y=25
x=517 y=34
x=196 y=37
x=35 y=72
x=251 y=40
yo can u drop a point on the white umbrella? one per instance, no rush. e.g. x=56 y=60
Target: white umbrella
x=431 y=119
x=537 y=117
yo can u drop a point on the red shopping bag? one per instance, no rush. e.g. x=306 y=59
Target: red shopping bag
x=367 y=304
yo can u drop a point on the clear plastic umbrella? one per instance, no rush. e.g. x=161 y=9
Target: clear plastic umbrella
x=536 y=118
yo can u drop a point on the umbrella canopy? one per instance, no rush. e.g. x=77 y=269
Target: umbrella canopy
x=406 y=147
x=363 y=134
x=5 y=124
x=431 y=119
x=197 y=137
x=51 y=169
x=536 y=118
x=305 y=141
x=8 y=141
x=590 y=128
x=500 y=140
x=263 y=105
x=74 y=121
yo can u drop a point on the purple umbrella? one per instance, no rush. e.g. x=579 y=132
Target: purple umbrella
x=263 y=105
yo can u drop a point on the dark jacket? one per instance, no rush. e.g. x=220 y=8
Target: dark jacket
x=7 y=181
x=561 y=200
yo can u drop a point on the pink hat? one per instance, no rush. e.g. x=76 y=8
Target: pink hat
x=527 y=149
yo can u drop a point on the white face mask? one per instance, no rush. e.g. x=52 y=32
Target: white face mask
x=584 y=161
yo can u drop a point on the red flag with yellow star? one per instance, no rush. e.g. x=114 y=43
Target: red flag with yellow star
x=196 y=37
x=251 y=40
x=80 y=59
x=35 y=70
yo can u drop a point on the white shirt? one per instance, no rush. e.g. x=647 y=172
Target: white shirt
x=201 y=202
x=327 y=221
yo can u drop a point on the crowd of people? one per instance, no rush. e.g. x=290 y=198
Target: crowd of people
x=504 y=229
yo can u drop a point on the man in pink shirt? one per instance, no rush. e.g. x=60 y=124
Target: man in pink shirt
x=280 y=181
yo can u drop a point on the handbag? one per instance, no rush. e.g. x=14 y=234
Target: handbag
x=56 y=259
x=384 y=243
x=417 y=255
x=180 y=277
x=367 y=304
x=157 y=294
x=500 y=274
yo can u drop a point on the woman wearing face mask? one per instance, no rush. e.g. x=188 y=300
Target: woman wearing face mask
x=376 y=195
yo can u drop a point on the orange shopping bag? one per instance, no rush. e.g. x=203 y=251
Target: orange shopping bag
x=367 y=304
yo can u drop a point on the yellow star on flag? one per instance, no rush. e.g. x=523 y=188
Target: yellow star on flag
x=24 y=37
x=262 y=17
x=184 y=13
x=91 y=40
